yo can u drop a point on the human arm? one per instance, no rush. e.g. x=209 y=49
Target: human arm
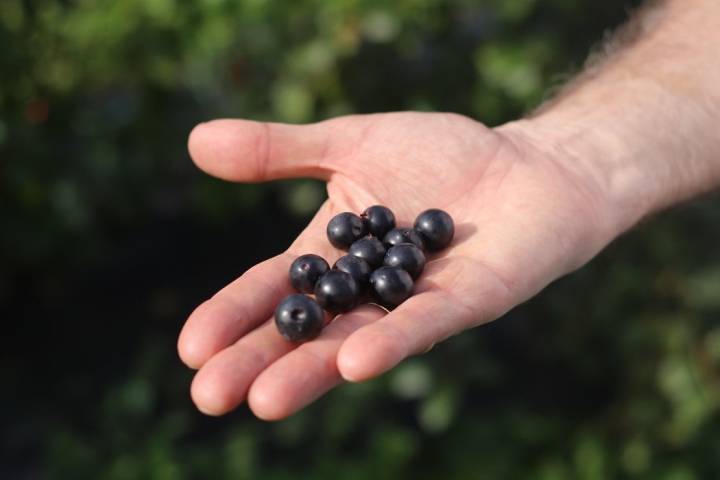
x=533 y=200
x=642 y=118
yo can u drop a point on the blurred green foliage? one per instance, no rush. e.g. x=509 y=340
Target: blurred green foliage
x=110 y=237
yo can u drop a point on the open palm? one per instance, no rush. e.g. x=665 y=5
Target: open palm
x=523 y=217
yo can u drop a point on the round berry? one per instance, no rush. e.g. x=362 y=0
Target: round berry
x=406 y=256
x=358 y=268
x=344 y=228
x=337 y=291
x=379 y=220
x=369 y=249
x=299 y=317
x=436 y=227
x=305 y=271
x=397 y=236
x=391 y=286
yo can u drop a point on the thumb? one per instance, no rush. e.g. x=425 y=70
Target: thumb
x=249 y=151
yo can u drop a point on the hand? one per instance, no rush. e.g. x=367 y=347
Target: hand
x=523 y=218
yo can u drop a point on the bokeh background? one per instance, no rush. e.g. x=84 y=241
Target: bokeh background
x=110 y=236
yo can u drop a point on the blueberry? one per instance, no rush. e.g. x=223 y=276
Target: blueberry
x=344 y=228
x=369 y=249
x=391 y=286
x=337 y=291
x=299 y=317
x=403 y=235
x=436 y=227
x=406 y=256
x=379 y=220
x=305 y=271
x=358 y=268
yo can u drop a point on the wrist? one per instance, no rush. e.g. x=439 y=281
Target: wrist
x=640 y=146
x=578 y=196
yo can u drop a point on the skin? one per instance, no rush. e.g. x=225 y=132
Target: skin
x=532 y=200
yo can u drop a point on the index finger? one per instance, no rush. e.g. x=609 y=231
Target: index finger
x=251 y=299
x=234 y=310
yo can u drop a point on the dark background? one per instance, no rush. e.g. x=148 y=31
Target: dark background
x=110 y=236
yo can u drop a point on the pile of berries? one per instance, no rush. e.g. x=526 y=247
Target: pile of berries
x=381 y=264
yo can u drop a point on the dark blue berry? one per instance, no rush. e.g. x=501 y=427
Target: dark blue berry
x=299 y=317
x=358 y=268
x=305 y=271
x=406 y=256
x=369 y=249
x=397 y=236
x=337 y=291
x=391 y=286
x=436 y=227
x=379 y=220
x=344 y=229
